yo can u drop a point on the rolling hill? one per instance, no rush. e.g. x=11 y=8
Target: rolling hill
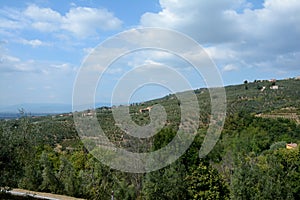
x=249 y=161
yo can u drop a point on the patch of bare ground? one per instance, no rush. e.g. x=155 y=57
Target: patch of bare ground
x=44 y=195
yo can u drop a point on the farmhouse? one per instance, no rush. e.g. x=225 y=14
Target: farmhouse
x=274 y=87
x=144 y=110
x=291 y=146
x=272 y=80
x=263 y=88
x=88 y=113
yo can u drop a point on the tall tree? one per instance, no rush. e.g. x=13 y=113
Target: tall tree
x=206 y=183
x=50 y=182
x=166 y=183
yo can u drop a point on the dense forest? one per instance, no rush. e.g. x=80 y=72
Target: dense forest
x=249 y=161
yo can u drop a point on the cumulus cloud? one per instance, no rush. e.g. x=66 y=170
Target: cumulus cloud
x=12 y=64
x=234 y=33
x=43 y=19
x=11 y=19
x=34 y=43
x=230 y=67
x=80 y=21
x=84 y=21
x=34 y=81
x=5 y=23
x=206 y=21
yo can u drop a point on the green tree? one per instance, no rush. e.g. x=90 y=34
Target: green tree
x=206 y=183
x=50 y=182
x=32 y=177
x=67 y=176
x=273 y=175
x=166 y=183
x=96 y=180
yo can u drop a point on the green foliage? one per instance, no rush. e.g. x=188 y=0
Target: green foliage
x=50 y=182
x=274 y=175
x=278 y=145
x=67 y=176
x=166 y=183
x=32 y=178
x=163 y=138
x=45 y=153
x=206 y=183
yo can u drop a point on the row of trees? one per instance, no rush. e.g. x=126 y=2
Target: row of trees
x=249 y=162
x=29 y=160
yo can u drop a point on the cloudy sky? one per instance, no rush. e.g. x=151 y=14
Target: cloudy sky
x=43 y=43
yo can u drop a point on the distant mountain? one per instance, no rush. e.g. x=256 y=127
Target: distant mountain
x=37 y=108
x=43 y=108
x=253 y=97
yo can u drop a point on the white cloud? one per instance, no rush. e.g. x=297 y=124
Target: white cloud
x=33 y=81
x=6 y=58
x=80 y=21
x=34 y=43
x=83 y=21
x=270 y=35
x=4 y=23
x=235 y=34
x=43 y=19
x=230 y=67
x=43 y=14
x=87 y=50
x=206 y=21
x=12 y=19
x=11 y=64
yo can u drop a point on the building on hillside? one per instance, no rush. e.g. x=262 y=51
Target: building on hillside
x=272 y=80
x=291 y=146
x=144 y=110
x=88 y=113
x=274 y=87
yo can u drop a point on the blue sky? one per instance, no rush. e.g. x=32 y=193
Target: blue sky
x=44 y=42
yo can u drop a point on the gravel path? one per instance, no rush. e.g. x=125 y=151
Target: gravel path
x=41 y=195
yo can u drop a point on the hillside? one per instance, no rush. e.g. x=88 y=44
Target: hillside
x=46 y=154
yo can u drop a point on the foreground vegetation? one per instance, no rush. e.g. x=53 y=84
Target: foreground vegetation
x=250 y=161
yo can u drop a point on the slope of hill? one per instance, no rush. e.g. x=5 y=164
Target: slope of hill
x=46 y=154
